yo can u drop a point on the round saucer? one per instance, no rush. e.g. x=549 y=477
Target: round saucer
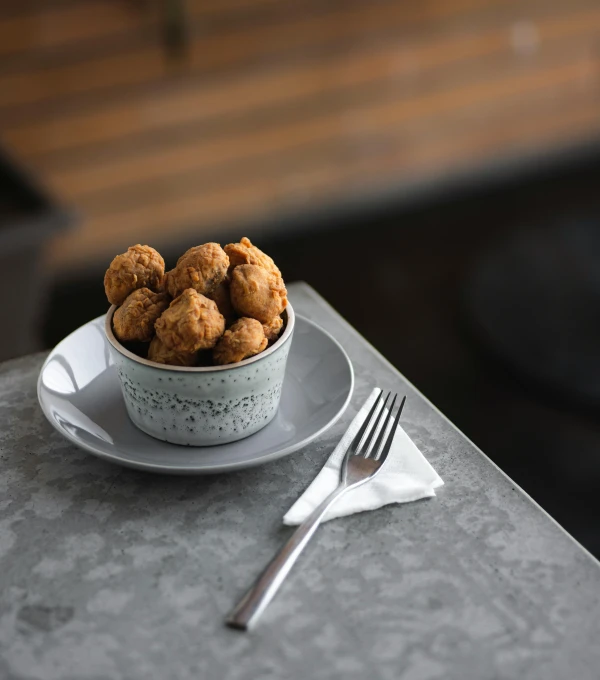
x=79 y=392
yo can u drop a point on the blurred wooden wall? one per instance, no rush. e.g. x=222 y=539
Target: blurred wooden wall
x=281 y=106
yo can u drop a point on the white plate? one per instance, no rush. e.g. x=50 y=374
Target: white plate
x=79 y=392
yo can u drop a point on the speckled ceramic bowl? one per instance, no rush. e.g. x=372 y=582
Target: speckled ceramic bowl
x=202 y=406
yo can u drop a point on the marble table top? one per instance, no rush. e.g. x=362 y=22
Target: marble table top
x=110 y=573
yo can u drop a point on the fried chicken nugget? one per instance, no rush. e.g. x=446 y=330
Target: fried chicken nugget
x=140 y=267
x=244 y=339
x=192 y=322
x=201 y=268
x=222 y=297
x=246 y=253
x=161 y=354
x=257 y=293
x=134 y=319
x=272 y=328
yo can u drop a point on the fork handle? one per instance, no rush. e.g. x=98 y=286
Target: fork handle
x=255 y=601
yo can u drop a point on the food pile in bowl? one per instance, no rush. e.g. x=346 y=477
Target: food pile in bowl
x=218 y=306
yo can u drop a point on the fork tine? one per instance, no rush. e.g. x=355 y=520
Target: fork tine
x=364 y=449
x=384 y=427
x=363 y=428
x=390 y=439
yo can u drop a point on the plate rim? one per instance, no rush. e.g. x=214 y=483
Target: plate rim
x=186 y=469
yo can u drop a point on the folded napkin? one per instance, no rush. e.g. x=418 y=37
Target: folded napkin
x=406 y=476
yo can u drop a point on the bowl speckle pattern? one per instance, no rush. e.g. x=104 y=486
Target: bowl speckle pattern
x=204 y=407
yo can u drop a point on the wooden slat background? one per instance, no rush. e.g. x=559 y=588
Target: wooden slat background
x=281 y=105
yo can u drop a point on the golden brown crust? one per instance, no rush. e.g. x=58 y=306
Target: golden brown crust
x=246 y=253
x=134 y=319
x=192 y=322
x=257 y=293
x=272 y=328
x=161 y=354
x=221 y=296
x=244 y=339
x=140 y=267
x=161 y=287
x=201 y=268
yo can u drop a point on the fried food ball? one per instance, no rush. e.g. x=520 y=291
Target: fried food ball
x=140 y=267
x=134 y=319
x=221 y=296
x=272 y=328
x=246 y=253
x=257 y=293
x=244 y=339
x=201 y=268
x=161 y=354
x=192 y=322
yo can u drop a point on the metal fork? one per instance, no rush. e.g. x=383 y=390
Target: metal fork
x=362 y=461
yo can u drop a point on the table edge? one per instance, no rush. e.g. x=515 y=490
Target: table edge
x=319 y=299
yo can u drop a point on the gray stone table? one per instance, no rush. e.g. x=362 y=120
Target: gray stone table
x=109 y=573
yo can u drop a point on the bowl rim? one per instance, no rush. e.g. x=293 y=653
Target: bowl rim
x=285 y=336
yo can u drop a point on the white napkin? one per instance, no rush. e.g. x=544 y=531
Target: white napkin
x=406 y=476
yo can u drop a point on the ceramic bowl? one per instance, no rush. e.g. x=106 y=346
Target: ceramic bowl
x=202 y=406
